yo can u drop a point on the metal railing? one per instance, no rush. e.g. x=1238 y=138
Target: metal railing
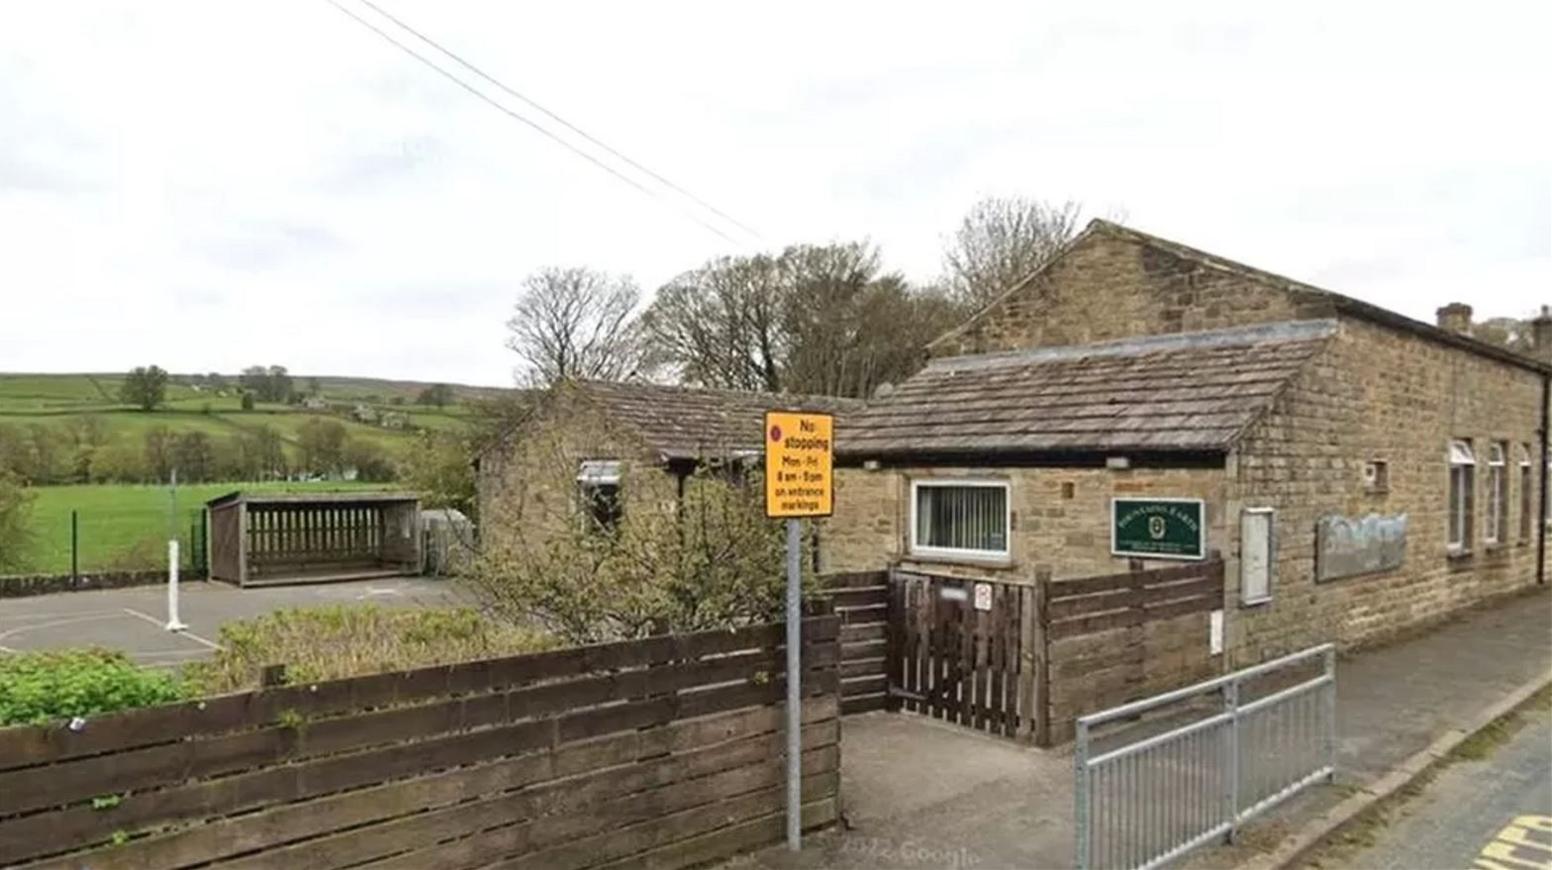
x=1150 y=800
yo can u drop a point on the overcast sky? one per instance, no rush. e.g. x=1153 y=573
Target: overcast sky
x=208 y=185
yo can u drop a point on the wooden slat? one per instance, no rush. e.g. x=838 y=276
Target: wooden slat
x=23 y=746
x=42 y=833
x=140 y=769
x=1089 y=585
x=1121 y=599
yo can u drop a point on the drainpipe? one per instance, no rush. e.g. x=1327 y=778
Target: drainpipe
x=1541 y=530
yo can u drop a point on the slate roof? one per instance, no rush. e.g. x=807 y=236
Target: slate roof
x=690 y=422
x=1180 y=392
x=1337 y=302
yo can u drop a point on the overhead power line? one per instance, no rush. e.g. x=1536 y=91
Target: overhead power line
x=458 y=59
x=486 y=98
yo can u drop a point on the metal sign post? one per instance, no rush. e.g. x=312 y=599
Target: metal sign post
x=798 y=460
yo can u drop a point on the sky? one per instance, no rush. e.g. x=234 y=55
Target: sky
x=210 y=185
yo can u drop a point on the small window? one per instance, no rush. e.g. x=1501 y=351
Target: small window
x=598 y=486
x=1527 y=494
x=1376 y=476
x=963 y=518
x=1463 y=466
x=1496 y=516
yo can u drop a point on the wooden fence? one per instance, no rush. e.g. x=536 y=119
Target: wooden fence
x=661 y=752
x=1121 y=637
x=1022 y=659
x=962 y=659
x=861 y=600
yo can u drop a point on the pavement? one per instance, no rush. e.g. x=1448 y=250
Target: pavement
x=919 y=793
x=134 y=620
x=1493 y=811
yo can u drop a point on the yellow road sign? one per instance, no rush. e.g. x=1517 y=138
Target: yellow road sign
x=799 y=456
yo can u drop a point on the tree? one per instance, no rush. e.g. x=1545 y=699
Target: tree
x=15 y=523
x=713 y=560
x=577 y=323
x=194 y=456
x=1001 y=242
x=257 y=454
x=439 y=466
x=815 y=319
x=322 y=444
x=144 y=387
x=313 y=388
x=369 y=459
x=1507 y=332
x=440 y=395
x=271 y=384
x=247 y=400
x=160 y=458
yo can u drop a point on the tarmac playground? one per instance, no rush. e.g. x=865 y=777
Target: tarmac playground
x=134 y=620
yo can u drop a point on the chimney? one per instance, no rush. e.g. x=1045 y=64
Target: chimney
x=1541 y=335
x=1456 y=317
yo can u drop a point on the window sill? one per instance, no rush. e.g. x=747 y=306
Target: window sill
x=1459 y=555
x=1248 y=603
x=994 y=563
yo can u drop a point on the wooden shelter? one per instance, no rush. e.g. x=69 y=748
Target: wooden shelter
x=261 y=538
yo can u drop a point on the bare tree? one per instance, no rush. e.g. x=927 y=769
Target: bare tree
x=577 y=323
x=720 y=325
x=1002 y=241
x=818 y=319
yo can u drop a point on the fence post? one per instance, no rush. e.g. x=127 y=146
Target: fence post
x=75 y=548
x=1330 y=693
x=1231 y=763
x=894 y=613
x=1080 y=773
x=1042 y=654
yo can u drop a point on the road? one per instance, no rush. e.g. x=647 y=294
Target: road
x=1492 y=814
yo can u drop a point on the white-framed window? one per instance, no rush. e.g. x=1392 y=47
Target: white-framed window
x=967 y=519
x=598 y=490
x=1527 y=494
x=1496 y=517
x=1463 y=468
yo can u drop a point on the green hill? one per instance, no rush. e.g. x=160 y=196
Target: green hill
x=72 y=428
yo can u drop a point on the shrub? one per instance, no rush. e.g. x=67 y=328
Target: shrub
x=323 y=643
x=40 y=687
x=16 y=537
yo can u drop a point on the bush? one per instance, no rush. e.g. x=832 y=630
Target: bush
x=16 y=538
x=324 y=643
x=40 y=687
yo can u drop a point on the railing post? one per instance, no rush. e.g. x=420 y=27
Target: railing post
x=1330 y=693
x=1080 y=761
x=1231 y=763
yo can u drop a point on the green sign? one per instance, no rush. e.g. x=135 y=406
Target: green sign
x=1158 y=528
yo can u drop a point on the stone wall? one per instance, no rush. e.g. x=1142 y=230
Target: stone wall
x=24 y=585
x=1060 y=518
x=527 y=485
x=1111 y=285
x=1379 y=394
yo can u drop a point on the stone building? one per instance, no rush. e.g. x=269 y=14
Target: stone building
x=1359 y=472
x=595 y=449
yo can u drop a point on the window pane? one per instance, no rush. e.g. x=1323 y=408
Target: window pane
x=1455 y=506
x=962 y=517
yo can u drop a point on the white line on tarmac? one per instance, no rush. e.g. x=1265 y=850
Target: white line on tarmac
x=160 y=624
x=56 y=623
x=50 y=615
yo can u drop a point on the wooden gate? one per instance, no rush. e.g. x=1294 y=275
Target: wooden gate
x=964 y=651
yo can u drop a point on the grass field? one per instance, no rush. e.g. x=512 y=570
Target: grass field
x=123 y=526
x=60 y=401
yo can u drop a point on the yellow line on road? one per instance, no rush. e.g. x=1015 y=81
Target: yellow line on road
x=1525 y=842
